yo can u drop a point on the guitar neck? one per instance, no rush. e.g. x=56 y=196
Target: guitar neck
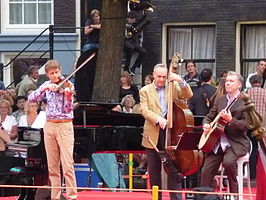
x=219 y=115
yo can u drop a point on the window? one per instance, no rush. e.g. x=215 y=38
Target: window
x=30 y=15
x=30 y=11
x=253 y=47
x=193 y=42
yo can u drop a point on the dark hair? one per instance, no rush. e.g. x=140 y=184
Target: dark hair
x=40 y=103
x=19 y=98
x=149 y=76
x=224 y=73
x=255 y=79
x=261 y=60
x=190 y=61
x=32 y=69
x=206 y=75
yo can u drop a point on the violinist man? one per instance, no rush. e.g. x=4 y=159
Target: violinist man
x=153 y=101
x=58 y=129
x=234 y=142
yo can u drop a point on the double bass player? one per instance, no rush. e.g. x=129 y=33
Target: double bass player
x=153 y=101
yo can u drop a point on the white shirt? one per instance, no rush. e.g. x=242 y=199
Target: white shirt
x=9 y=122
x=38 y=122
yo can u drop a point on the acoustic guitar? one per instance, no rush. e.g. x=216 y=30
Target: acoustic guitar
x=208 y=139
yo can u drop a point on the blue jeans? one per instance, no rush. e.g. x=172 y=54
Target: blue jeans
x=90 y=46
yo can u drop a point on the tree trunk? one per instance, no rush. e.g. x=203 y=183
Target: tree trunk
x=110 y=54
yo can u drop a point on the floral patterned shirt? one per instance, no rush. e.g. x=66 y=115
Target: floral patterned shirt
x=58 y=106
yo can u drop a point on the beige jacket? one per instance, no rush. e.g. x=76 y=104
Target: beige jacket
x=151 y=109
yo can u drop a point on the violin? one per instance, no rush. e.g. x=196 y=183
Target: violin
x=64 y=83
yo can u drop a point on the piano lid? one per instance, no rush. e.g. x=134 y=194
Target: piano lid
x=97 y=113
x=97 y=105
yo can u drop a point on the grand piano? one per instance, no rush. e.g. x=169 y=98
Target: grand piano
x=99 y=129
x=96 y=129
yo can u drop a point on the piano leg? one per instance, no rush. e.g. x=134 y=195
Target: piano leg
x=23 y=193
x=26 y=193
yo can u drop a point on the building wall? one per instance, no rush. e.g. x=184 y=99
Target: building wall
x=65 y=41
x=225 y=13
x=65 y=14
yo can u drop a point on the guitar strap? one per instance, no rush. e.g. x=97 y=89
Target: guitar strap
x=222 y=141
x=231 y=103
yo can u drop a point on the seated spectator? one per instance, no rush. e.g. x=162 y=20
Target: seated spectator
x=132 y=44
x=42 y=105
x=8 y=134
x=5 y=95
x=20 y=104
x=148 y=79
x=29 y=82
x=30 y=114
x=92 y=31
x=126 y=105
x=127 y=88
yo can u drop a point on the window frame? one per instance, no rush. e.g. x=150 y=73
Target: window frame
x=191 y=27
x=242 y=60
x=21 y=28
x=165 y=38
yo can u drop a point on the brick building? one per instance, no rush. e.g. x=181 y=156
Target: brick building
x=220 y=34
x=23 y=21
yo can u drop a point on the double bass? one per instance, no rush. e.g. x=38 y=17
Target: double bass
x=180 y=120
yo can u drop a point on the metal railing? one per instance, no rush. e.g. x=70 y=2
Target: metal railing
x=50 y=49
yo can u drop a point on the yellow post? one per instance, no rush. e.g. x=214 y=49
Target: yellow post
x=130 y=170
x=155 y=190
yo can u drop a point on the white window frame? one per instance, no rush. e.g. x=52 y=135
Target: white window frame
x=21 y=28
x=238 y=41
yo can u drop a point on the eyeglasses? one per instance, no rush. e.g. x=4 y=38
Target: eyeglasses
x=3 y=107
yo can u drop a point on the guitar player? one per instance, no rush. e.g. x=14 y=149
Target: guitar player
x=233 y=142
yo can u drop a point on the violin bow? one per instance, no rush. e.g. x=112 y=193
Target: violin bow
x=77 y=69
